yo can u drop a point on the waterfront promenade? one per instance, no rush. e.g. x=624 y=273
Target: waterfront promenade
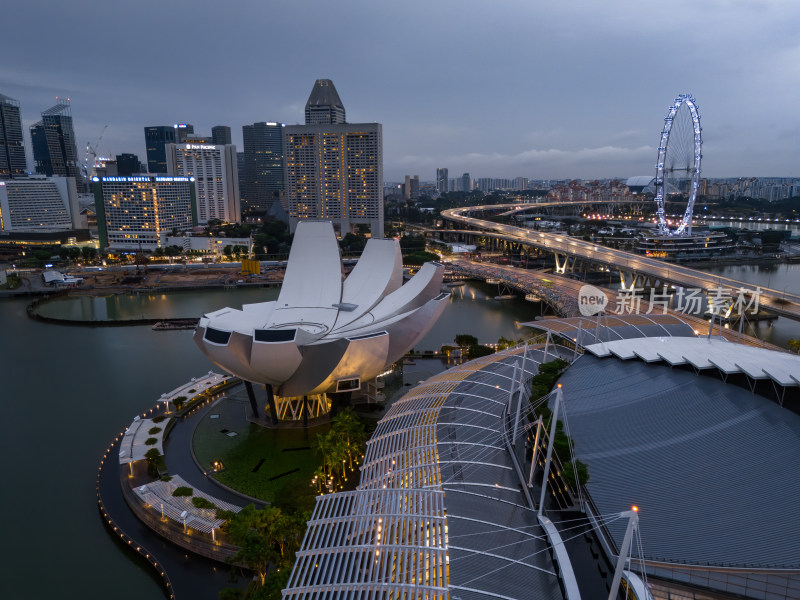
x=156 y=533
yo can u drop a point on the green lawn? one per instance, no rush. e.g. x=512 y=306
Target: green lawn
x=275 y=465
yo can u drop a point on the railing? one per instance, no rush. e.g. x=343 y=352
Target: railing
x=124 y=537
x=200 y=543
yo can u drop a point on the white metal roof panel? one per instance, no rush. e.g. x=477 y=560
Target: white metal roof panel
x=702 y=353
x=313 y=280
x=379 y=272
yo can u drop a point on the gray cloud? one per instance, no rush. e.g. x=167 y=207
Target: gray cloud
x=499 y=89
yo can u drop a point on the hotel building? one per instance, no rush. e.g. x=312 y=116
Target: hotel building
x=133 y=212
x=214 y=169
x=334 y=169
x=335 y=172
x=39 y=204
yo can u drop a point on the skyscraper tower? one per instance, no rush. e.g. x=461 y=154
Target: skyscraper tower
x=221 y=135
x=183 y=131
x=12 y=150
x=324 y=105
x=156 y=139
x=442 y=182
x=213 y=170
x=334 y=169
x=53 y=139
x=262 y=184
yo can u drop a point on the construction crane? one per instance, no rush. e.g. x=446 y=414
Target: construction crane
x=93 y=151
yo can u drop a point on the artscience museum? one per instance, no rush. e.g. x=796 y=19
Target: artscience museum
x=326 y=333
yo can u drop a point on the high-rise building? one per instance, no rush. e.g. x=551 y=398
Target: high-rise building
x=127 y=164
x=334 y=169
x=240 y=171
x=221 y=135
x=411 y=187
x=133 y=213
x=520 y=183
x=39 y=204
x=156 y=138
x=262 y=183
x=53 y=141
x=182 y=132
x=442 y=182
x=216 y=180
x=486 y=184
x=335 y=172
x=466 y=183
x=12 y=148
x=324 y=104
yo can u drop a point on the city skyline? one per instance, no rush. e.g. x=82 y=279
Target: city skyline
x=544 y=92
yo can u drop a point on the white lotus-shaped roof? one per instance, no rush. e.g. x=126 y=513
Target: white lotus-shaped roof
x=324 y=329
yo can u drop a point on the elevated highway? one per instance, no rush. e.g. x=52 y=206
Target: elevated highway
x=634 y=269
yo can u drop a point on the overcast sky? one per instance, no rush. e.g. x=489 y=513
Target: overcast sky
x=498 y=88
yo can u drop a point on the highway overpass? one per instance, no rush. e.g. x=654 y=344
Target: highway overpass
x=633 y=268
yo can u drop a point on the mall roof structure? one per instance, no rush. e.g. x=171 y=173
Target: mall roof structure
x=590 y=330
x=710 y=464
x=326 y=333
x=701 y=353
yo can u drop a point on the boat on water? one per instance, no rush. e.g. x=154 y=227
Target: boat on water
x=505 y=297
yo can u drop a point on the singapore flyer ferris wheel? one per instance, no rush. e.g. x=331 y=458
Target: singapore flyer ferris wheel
x=678 y=164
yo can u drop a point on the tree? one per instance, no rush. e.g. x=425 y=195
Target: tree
x=569 y=473
x=412 y=243
x=250 y=531
x=503 y=343
x=464 y=339
x=266 y=537
x=353 y=242
x=794 y=345
x=152 y=456
x=478 y=350
x=338 y=448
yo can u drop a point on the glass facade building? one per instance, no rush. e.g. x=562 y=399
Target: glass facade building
x=54 y=149
x=156 y=139
x=221 y=135
x=12 y=148
x=263 y=165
